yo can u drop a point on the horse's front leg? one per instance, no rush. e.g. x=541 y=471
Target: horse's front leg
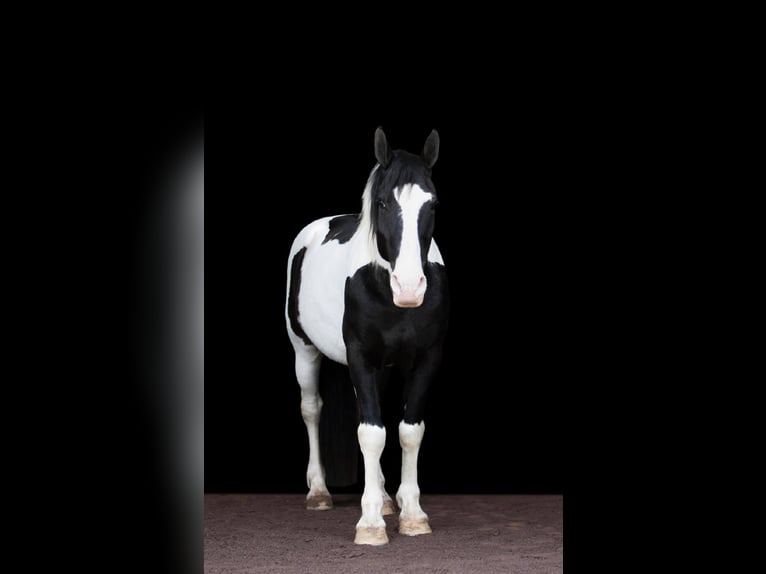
x=371 y=528
x=412 y=520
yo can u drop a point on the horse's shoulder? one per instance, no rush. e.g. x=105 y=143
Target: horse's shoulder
x=341 y=228
x=312 y=233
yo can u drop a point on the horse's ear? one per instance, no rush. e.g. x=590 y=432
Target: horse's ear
x=382 y=151
x=431 y=149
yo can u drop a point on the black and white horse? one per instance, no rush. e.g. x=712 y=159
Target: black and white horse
x=370 y=291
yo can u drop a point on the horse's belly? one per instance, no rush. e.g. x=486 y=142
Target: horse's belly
x=321 y=331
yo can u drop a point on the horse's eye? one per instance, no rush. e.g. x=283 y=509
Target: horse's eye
x=381 y=204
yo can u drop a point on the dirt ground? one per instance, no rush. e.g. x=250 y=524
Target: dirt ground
x=274 y=533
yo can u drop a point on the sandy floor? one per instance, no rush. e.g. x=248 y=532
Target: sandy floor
x=246 y=533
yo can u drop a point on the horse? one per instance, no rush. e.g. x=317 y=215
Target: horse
x=370 y=291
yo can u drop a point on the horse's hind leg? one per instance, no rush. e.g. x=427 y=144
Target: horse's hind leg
x=307 y=362
x=389 y=506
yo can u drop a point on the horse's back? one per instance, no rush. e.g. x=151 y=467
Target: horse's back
x=317 y=270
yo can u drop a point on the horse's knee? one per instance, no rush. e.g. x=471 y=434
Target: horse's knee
x=410 y=436
x=372 y=439
x=311 y=407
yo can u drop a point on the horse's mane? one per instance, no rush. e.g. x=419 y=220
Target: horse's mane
x=365 y=217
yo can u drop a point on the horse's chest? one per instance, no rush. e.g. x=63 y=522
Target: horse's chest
x=396 y=344
x=388 y=336
x=379 y=330
x=400 y=337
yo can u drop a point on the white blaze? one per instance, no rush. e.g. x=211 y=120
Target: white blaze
x=407 y=275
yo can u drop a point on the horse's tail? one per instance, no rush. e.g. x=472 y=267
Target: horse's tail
x=338 y=443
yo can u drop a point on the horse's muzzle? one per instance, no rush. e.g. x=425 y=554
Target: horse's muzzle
x=408 y=300
x=406 y=296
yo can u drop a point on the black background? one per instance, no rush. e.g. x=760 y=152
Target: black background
x=552 y=207
x=524 y=177
x=544 y=192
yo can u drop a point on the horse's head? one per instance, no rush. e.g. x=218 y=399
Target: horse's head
x=401 y=206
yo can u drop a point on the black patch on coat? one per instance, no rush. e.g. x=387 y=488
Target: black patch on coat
x=292 y=299
x=342 y=228
x=378 y=334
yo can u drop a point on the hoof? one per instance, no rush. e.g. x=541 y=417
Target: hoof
x=389 y=507
x=414 y=526
x=319 y=502
x=372 y=535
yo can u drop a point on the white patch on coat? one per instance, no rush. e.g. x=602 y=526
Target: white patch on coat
x=322 y=287
x=408 y=495
x=372 y=439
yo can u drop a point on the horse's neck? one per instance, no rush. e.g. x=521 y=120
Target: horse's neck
x=364 y=249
